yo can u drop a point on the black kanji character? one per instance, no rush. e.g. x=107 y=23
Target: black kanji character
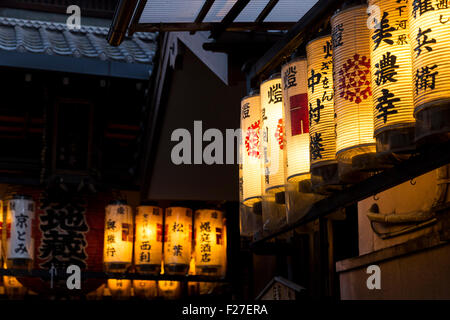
x=422 y=6
x=425 y=78
x=316 y=146
x=327 y=49
x=205 y=226
x=386 y=104
x=275 y=95
x=386 y=69
x=289 y=77
x=314 y=113
x=177 y=250
x=383 y=33
x=423 y=42
x=336 y=36
x=314 y=80
x=245 y=111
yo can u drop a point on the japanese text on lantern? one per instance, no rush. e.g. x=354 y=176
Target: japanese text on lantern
x=20 y=218
x=179 y=238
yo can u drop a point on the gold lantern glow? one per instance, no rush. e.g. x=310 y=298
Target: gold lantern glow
x=118 y=241
x=391 y=67
x=251 y=149
x=14 y=289
x=273 y=206
x=120 y=288
x=429 y=33
x=353 y=92
x=145 y=289
x=20 y=219
x=1 y=229
x=148 y=244
x=210 y=242
x=321 y=111
x=169 y=289
x=178 y=244
x=295 y=107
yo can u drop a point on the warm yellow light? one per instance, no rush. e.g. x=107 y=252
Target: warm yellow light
x=251 y=150
x=210 y=242
x=295 y=106
x=391 y=66
x=1 y=228
x=273 y=134
x=321 y=101
x=429 y=32
x=148 y=244
x=352 y=82
x=20 y=219
x=119 y=288
x=145 y=289
x=177 y=248
x=169 y=289
x=118 y=241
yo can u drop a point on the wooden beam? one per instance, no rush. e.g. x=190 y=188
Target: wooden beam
x=237 y=26
x=265 y=12
x=431 y=158
x=121 y=21
x=203 y=12
x=229 y=18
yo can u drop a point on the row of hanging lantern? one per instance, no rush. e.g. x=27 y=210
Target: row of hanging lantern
x=373 y=88
x=208 y=249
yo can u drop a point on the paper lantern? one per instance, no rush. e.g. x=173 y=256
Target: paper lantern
x=178 y=244
x=120 y=288
x=1 y=228
x=251 y=150
x=210 y=242
x=148 y=244
x=321 y=102
x=14 y=289
x=20 y=219
x=296 y=117
x=145 y=289
x=352 y=83
x=169 y=289
x=391 y=69
x=429 y=33
x=118 y=241
x=273 y=134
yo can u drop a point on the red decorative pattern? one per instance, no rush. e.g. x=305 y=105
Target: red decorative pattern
x=252 y=141
x=279 y=133
x=354 y=79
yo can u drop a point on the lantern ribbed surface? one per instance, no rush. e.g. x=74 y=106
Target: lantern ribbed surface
x=251 y=150
x=295 y=106
x=429 y=31
x=352 y=80
x=321 y=101
x=148 y=243
x=391 y=66
x=273 y=134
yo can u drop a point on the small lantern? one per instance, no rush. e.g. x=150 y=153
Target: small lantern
x=20 y=222
x=169 y=289
x=429 y=34
x=210 y=242
x=118 y=242
x=148 y=244
x=321 y=110
x=120 y=288
x=355 y=144
x=145 y=289
x=14 y=289
x=392 y=87
x=178 y=243
x=273 y=208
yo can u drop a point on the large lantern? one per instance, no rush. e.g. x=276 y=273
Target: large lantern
x=148 y=244
x=120 y=288
x=355 y=144
x=118 y=240
x=178 y=243
x=321 y=110
x=274 y=209
x=145 y=289
x=429 y=33
x=391 y=76
x=210 y=242
x=20 y=223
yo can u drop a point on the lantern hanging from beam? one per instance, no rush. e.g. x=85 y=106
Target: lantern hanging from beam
x=273 y=206
x=120 y=288
x=118 y=240
x=429 y=33
x=391 y=68
x=178 y=242
x=148 y=244
x=145 y=289
x=210 y=242
x=322 y=128
x=20 y=220
x=355 y=144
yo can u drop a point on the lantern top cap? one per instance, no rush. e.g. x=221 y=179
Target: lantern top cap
x=347 y=8
x=118 y=202
x=295 y=59
x=274 y=76
x=251 y=94
x=22 y=197
x=318 y=38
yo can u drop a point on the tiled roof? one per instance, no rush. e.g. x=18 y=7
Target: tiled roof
x=89 y=42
